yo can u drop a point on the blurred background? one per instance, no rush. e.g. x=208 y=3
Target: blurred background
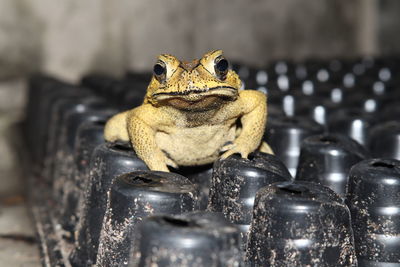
x=72 y=37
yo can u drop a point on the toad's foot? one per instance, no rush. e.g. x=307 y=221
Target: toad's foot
x=243 y=150
x=235 y=148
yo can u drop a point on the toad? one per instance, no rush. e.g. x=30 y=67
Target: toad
x=192 y=113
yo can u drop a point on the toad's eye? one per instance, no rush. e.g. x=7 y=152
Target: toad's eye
x=160 y=71
x=221 y=67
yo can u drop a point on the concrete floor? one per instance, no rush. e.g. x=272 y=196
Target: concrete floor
x=18 y=245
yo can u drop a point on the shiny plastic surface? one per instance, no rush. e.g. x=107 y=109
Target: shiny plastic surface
x=374 y=202
x=134 y=196
x=300 y=224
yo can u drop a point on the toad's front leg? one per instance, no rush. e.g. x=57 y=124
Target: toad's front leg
x=252 y=109
x=143 y=123
x=115 y=128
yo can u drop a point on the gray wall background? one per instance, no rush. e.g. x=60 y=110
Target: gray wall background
x=70 y=37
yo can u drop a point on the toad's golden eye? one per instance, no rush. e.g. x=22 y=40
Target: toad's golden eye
x=221 y=67
x=160 y=71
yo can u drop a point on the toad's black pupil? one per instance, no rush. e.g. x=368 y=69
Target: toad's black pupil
x=158 y=69
x=222 y=65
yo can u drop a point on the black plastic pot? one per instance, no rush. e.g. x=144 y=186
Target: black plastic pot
x=374 y=202
x=134 y=196
x=63 y=181
x=327 y=159
x=235 y=182
x=351 y=122
x=285 y=135
x=107 y=162
x=89 y=135
x=55 y=124
x=384 y=140
x=201 y=177
x=44 y=93
x=75 y=105
x=193 y=239
x=300 y=224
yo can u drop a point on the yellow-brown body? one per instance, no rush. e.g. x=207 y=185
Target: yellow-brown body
x=190 y=115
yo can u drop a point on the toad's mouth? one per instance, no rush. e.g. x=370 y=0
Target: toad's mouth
x=196 y=95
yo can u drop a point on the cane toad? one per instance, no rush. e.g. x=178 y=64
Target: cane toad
x=192 y=112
